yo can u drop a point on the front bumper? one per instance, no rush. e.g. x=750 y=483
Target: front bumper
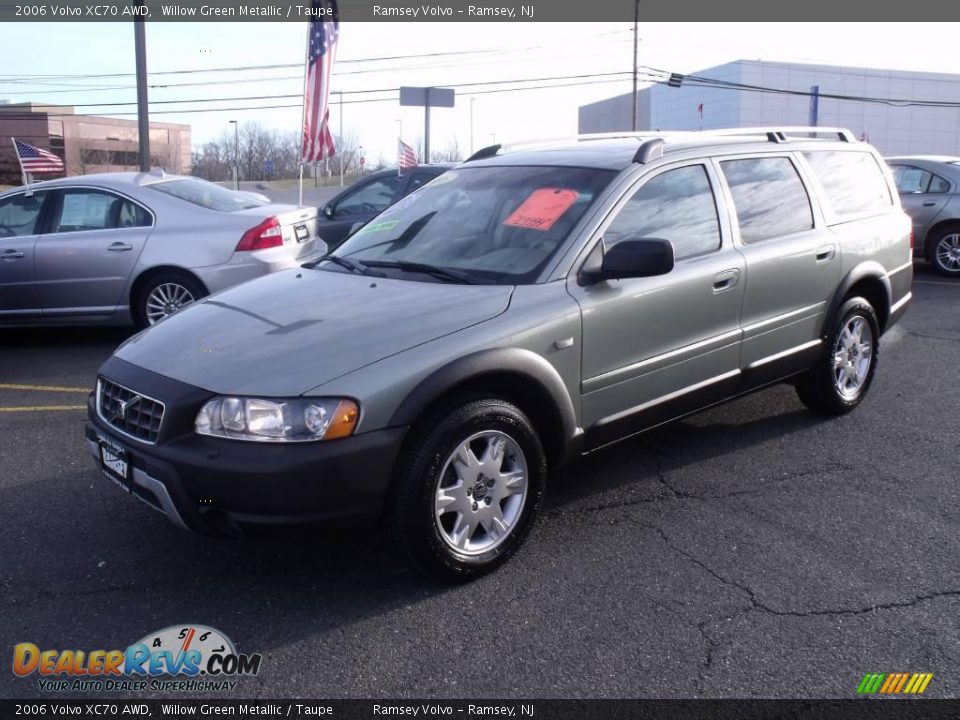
x=215 y=486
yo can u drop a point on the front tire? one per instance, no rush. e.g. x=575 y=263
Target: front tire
x=163 y=295
x=468 y=489
x=842 y=376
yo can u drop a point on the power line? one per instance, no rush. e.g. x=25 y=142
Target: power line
x=356 y=92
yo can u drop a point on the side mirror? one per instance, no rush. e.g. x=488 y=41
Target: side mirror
x=644 y=257
x=328 y=212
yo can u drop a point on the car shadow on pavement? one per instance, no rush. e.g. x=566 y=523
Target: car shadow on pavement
x=109 y=567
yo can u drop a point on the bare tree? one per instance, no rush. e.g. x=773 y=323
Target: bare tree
x=452 y=153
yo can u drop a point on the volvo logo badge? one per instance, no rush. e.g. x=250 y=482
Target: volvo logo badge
x=118 y=409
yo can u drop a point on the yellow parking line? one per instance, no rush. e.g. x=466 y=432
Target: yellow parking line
x=43 y=388
x=39 y=408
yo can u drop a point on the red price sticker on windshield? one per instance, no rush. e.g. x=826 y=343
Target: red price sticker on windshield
x=543 y=208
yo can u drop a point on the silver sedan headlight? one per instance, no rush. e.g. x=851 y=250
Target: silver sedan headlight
x=261 y=420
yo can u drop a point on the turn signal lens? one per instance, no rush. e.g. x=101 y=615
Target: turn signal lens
x=344 y=421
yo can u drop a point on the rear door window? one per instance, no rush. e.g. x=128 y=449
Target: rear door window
x=770 y=199
x=853 y=181
x=84 y=209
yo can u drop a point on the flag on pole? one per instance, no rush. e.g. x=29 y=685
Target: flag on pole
x=36 y=160
x=406 y=156
x=324 y=31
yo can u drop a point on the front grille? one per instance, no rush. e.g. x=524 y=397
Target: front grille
x=131 y=413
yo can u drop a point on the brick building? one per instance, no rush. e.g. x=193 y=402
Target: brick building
x=86 y=143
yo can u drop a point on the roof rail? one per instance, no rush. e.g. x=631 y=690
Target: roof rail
x=651 y=149
x=492 y=150
x=779 y=134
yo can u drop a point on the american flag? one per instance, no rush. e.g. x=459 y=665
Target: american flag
x=37 y=160
x=321 y=49
x=406 y=156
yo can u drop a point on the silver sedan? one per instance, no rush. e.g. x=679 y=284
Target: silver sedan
x=117 y=248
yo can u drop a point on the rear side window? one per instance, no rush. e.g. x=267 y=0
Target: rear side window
x=84 y=209
x=206 y=194
x=677 y=205
x=769 y=196
x=853 y=181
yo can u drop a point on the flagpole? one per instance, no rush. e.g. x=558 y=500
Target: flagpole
x=399 y=140
x=23 y=173
x=303 y=106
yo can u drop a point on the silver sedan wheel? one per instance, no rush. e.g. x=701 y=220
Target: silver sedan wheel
x=852 y=355
x=948 y=252
x=166 y=299
x=481 y=492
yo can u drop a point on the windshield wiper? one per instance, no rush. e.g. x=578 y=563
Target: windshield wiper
x=438 y=272
x=351 y=265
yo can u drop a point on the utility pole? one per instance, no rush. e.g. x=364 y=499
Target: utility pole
x=236 y=155
x=472 y=102
x=340 y=93
x=143 y=113
x=636 y=22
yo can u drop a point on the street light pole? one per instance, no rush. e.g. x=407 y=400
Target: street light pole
x=236 y=155
x=143 y=112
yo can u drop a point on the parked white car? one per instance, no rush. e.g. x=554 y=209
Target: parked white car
x=117 y=248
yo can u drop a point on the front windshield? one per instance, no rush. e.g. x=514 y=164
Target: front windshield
x=489 y=225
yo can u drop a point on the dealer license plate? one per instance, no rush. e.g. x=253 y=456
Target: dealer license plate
x=115 y=462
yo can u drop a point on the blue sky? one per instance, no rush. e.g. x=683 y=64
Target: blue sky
x=493 y=51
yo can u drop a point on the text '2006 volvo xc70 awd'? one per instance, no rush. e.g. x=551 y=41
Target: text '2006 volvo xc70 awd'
x=529 y=306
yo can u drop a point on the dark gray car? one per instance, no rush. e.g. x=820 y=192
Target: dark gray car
x=528 y=307
x=929 y=187
x=368 y=196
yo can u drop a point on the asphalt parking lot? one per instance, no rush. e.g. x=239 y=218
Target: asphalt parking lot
x=754 y=550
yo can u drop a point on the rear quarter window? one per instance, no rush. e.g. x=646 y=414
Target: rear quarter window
x=853 y=181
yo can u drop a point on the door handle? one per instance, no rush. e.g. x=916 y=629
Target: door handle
x=929 y=203
x=120 y=247
x=11 y=255
x=725 y=280
x=826 y=253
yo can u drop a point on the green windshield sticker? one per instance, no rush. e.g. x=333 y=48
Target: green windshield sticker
x=377 y=227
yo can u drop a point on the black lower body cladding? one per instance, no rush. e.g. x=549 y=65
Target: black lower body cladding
x=214 y=485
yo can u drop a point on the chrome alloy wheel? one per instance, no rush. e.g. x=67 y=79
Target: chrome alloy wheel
x=166 y=299
x=852 y=355
x=948 y=252
x=480 y=493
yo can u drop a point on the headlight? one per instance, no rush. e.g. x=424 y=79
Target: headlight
x=299 y=420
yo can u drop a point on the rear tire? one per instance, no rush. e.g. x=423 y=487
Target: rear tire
x=842 y=375
x=468 y=489
x=945 y=252
x=163 y=295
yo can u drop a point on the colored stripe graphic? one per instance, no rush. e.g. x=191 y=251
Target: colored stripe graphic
x=894 y=683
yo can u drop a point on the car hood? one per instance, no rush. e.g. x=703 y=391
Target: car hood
x=287 y=333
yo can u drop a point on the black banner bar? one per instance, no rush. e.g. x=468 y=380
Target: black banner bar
x=473 y=11
x=899 y=709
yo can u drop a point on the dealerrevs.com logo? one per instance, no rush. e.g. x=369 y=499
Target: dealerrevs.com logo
x=178 y=658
